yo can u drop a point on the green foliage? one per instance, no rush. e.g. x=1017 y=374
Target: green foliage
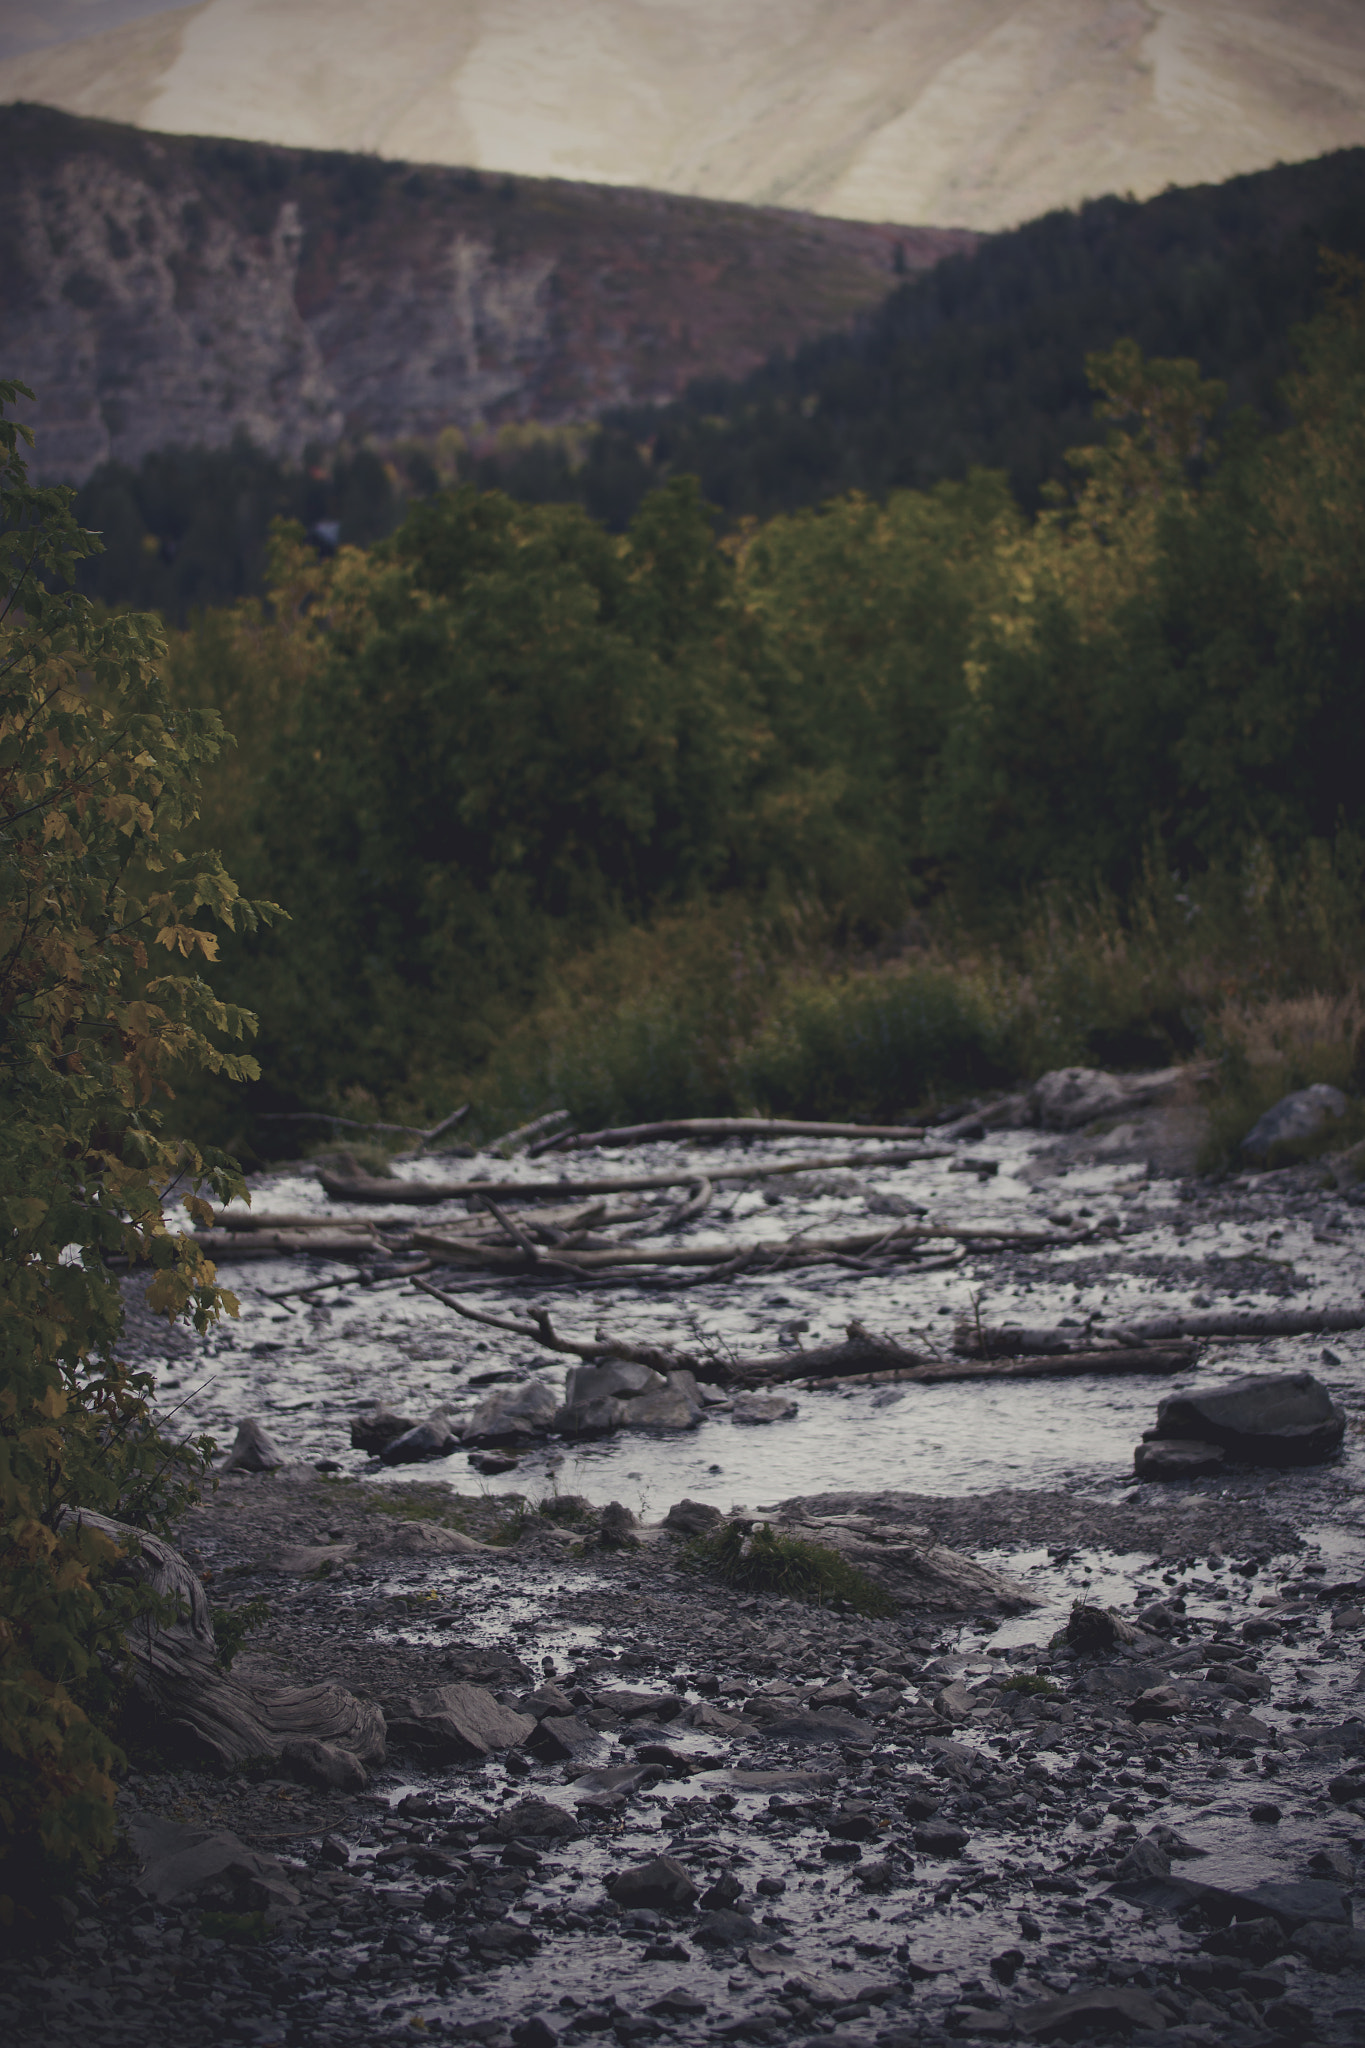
x=245 y=1929
x=762 y=1562
x=1031 y=1683
x=101 y=925
x=232 y=1626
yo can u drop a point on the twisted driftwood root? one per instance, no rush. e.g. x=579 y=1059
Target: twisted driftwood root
x=220 y=1719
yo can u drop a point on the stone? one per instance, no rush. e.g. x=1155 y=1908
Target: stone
x=955 y=1702
x=536 y=1820
x=724 y=1892
x=724 y=1928
x=829 y=1724
x=492 y=1464
x=512 y=1415
x=1169 y=1458
x=1072 y=1097
x=252 y=1450
x=1296 y=1119
x=853 y=1824
x=914 y=1574
x=641 y=1706
x=662 y=1882
x=1086 y=2013
x=461 y=1723
x=1279 y=1419
x=180 y=1863
x=599 y=1399
x=377 y=1428
x=615 y=1780
x=940 y=1838
x=693 y=1518
x=437 y=1437
x=753 y=1409
x=546 y=1699
x=1160 y=1703
x=555 y=1738
x=616 y=1529
x=1090 y=1629
x=533 y=2033
x=1145 y=1859
x=1330 y=1948
x=325 y=1764
x=391 y=1537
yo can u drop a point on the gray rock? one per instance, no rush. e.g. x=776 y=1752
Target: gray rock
x=940 y=1838
x=185 y=1863
x=693 y=1518
x=1170 y=1458
x=1295 y=1119
x=1281 y=1419
x=252 y=1450
x=1145 y=1860
x=759 y=1408
x=1072 y=1097
x=599 y=1399
x=513 y=1415
x=724 y=1928
x=325 y=1764
x=557 y=1737
x=536 y=1820
x=830 y=1724
x=1330 y=1948
x=373 y=1431
x=391 y=1537
x=914 y=1574
x=493 y=1463
x=662 y=1882
x=460 y=1722
x=1109 y=2008
x=437 y=1437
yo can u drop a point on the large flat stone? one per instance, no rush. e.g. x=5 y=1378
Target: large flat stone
x=460 y=1722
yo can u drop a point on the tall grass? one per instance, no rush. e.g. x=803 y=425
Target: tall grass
x=732 y=1010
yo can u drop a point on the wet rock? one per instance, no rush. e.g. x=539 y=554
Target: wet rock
x=1108 y=2008
x=1159 y=1703
x=1330 y=1948
x=503 y=1941
x=1295 y=1119
x=955 y=1702
x=556 y=1738
x=325 y=1764
x=678 y=2005
x=641 y=1706
x=493 y=1463
x=616 y=1529
x=389 y=1537
x=536 y=1820
x=512 y=1415
x=1279 y=1419
x=724 y=1928
x=1165 y=1458
x=853 y=1824
x=693 y=1518
x=533 y=2033
x=1256 y=1941
x=940 y=1838
x=830 y=1724
x=252 y=1450
x=1091 y=1629
x=599 y=1399
x=662 y=1883
x=375 y=1430
x=753 y=1409
x=723 y=1893
x=1072 y=1097
x=546 y=1699
x=1144 y=1860
x=437 y=1437
x=913 y=1574
x=461 y=1723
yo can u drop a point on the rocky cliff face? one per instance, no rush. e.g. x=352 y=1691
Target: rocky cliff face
x=161 y=291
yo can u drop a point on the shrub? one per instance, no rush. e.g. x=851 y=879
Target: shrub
x=100 y=922
x=763 y=1562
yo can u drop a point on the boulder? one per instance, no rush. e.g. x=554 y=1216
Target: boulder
x=460 y=1723
x=513 y=1415
x=1168 y=1458
x=377 y=1428
x=208 y=1866
x=536 y=1820
x=557 y=1737
x=437 y=1437
x=252 y=1450
x=662 y=1883
x=601 y=1398
x=1083 y=2014
x=1072 y=1097
x=914 y=1574
x=1279 y=1418
x=758 y=1408
x=325 y=1765
x=693 y=1518
x=1296 y=1119
x=392 y=1537
x=940 y=1838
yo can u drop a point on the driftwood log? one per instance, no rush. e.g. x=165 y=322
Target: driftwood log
x=353 y=1187
x=702 y=1127
x=978 y=1341
x=219 y=1719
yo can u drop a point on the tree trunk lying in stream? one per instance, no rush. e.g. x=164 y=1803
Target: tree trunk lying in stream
x=219 y=1719
x=977 y=1341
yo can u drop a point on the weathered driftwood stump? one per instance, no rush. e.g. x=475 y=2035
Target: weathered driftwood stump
x=220 y=1719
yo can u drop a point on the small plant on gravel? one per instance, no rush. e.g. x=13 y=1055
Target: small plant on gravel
x=1031 y=1682
x=232 y=1626
x=759 y=1561
x=238 y=1927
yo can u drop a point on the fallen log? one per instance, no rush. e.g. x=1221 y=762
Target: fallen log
x=421 y=1194
x=972 y=1340
x=337 y=1243
x=786 y=1252
x=1070 y=1365
x=732 y=1127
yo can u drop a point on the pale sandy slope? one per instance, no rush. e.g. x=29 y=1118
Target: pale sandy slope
x=972 y=112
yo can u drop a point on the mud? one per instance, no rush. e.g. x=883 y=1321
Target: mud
x=980 y=1875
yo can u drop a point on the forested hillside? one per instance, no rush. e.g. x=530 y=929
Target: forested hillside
x=981 y=361
x=622 y=822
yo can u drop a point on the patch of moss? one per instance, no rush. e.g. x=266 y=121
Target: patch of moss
x=760 y=1561
x=244 y=1928
x=1028 y=1682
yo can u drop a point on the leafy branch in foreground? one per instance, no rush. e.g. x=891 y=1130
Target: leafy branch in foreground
x=102 y=924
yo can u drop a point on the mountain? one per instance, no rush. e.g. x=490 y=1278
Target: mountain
x=161 y=290
x=983 y=112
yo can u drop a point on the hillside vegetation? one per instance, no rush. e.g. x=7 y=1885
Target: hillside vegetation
x=852 y=809
x=980 y=361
